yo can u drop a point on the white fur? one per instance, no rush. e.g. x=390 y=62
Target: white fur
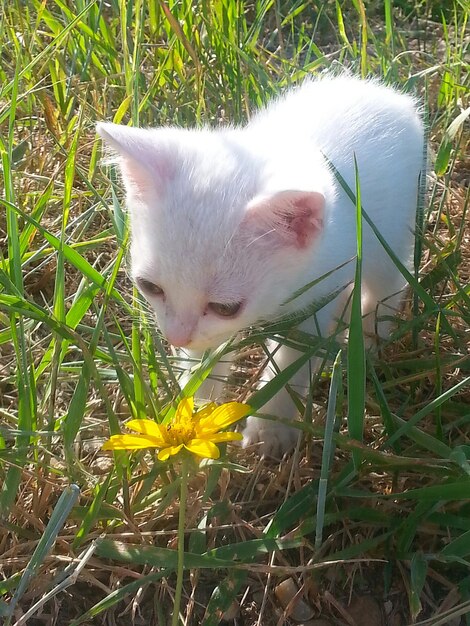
x=254 y=213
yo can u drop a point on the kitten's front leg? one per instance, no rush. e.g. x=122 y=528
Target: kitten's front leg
x=213 y=386
x=275 y=438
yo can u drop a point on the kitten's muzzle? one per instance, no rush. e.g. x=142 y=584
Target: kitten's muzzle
x=179 y=331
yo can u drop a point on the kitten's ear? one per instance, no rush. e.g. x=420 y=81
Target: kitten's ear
x=294 y=217
x=143 y=165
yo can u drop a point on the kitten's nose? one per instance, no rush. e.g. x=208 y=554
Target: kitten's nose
x=179 y=331
x=179 y=340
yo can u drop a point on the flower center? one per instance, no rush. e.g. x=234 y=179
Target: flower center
x=180 y=431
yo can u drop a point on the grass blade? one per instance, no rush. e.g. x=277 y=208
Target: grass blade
x=60 y=513
x=328 y=450
x=356 y=354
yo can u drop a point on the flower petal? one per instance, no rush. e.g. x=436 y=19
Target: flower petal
x=131 y=442
x=223 y=416
x=164 y=454
x=227 y=436
x=202 y=447
x=205 y=411
x=185 y=409
x=147 y=427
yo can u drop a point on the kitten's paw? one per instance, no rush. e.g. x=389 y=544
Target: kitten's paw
x=274 y=439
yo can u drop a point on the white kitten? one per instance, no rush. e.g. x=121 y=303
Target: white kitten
x=228 y=224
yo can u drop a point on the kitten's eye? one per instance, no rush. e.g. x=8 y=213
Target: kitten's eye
x=148 y=287
x=225 y=310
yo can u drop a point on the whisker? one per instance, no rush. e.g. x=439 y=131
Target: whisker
x=261 y=236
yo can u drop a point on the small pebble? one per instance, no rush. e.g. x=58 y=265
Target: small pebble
x=232 y=612
x=365 y=610
x=300 y=611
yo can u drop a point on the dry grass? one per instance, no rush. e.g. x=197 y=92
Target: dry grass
x=77 y=358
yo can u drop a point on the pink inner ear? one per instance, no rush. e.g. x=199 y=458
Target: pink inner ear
x=296 y=217
x=137 y=177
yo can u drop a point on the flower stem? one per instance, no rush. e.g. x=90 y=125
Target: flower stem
x=181 y=524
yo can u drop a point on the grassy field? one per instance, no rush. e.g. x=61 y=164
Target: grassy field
x=368 y=523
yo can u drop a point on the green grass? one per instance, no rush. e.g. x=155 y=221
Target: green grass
x=384 y=510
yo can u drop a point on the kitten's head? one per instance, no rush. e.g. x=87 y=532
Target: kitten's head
x=213 y=250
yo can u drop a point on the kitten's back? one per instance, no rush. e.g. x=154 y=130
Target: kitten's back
x=341 y=115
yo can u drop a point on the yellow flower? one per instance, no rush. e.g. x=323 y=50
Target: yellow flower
x=196 y=432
